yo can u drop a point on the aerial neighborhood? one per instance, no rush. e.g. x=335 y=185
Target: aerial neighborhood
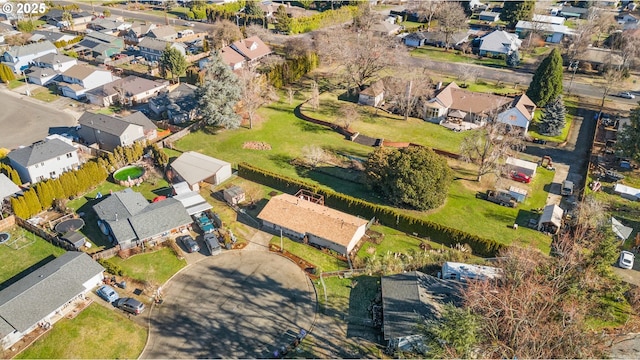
x=319 y=179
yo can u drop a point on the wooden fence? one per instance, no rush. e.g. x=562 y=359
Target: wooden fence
x=52 y=238
x=7 y=222
x=106 y=253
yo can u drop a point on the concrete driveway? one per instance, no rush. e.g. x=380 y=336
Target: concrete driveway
x=234 y=305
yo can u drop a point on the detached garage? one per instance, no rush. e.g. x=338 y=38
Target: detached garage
x=526 y=167
x=195 y=168
x=551 y=219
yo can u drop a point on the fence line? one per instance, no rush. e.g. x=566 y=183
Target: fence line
x=7 y=222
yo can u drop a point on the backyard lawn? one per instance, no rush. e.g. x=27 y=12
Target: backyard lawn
x=322 y=261
x=96 y=333
x=455 y=56
x=153 y=267
x=571 y=104
x=35 y=250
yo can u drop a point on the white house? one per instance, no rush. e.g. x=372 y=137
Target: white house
x=55 y=61
x=79 y=79
x=520 y=114
x=552 y=33
x=499 y=42
x=45 y=295
x=300 y=218
x=19 y=57
x=42 y=76
x=44 y=159
x=195 y=168
x=548 y=19
x=372 y=95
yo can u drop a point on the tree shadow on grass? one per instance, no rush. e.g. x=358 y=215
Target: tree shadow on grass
x=363 y=294
x=281 y=160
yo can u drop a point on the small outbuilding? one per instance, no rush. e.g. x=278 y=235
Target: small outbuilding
x=621 y=231
x=519 y=194
x=551 y=219
x=196 y=168
x=75 y=238
x=234 y=195
x=627 y=192
x=489 y=16
x=373 y=95
x=526 y=167
x=463 y=272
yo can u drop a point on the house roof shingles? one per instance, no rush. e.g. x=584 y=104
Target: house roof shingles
x=162 y=32
x=80 y=72
x=304 y=216
x=139 y=118
x=131 y=85
x=252 y=48
x=153 y=44
x=455 y=98
x=7 y=187
x=53 y=58
x=374 y=89
x=105 y=123
x=194 y=167
x=40 y=151
x=230 y=56
x=409 y=297
x=29 y=300
x=30 y=49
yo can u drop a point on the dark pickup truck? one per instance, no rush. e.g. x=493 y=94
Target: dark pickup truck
x=501 y=197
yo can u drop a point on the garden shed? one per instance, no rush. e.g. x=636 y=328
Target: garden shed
x=526 y=167
x=551 y=219
x=234 y=195
x=75 y=238
x=621 y=231
x=627 y=192
x=519 y=194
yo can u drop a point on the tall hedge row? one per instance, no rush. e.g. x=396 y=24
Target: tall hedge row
x=292 y=70
x=386 y=216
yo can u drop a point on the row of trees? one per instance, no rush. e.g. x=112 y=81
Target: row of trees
x=71 y=183
x=6 y=74
x=11 y=173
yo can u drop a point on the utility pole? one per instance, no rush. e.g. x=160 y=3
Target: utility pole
x=573 y=66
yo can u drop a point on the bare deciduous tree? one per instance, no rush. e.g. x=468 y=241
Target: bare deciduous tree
x=298 y=47
x=451 y=19
x=610 y=79
x=315 y=96
x=256 y=92
x=407 y=96
x=224 y=32
x=349 y=114
x=313 y=155
x=364 y=17
x=425 y=9
x=487 y=145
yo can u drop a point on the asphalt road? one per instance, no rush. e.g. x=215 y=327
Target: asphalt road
x=24 y=121
x=235 y=305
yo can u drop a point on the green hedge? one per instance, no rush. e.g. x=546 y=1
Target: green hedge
x=386 y=216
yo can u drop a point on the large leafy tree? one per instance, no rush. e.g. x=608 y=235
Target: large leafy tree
x=454 y=335
x=628 y=142
x=253 y=8
x=553 y=117
x=513 y=11
x=219 y=94
x=546 y=84
x=413 y=177
x=283 y=21
x=172 y=60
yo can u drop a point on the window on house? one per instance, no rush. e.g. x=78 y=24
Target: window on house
x=40 y=178
x=36 y=166
x=58 y=158
x=432 y=113
x=69 y=155
x=52 y=174
x=41 y=164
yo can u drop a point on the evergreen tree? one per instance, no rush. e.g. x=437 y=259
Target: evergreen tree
x=33 y=204
x=513 y=59
x=283 y=21
x=172 y=60
x=43 y=190
x=219 y=94
x=628 y=142
x=252 y=7
x=15 y=177
x=546 y=83
x=19 y=207
x=553 y=118
x=56 y=189
x=513 y=11
x=6 y=74
x=205 y=45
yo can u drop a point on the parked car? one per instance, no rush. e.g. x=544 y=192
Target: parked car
x=211 y=241
x=107 y=293
x=521 y=177
x=626 y=95
x=626 y=260
x=567 y=188
x=204 y=223
x=130 y=305
x=189 y=243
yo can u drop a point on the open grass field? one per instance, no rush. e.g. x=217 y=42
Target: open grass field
x=154 y=267
x=455 y=56
x=96 y=333
x=388 y=126
x=20 y=262
x=322 y=261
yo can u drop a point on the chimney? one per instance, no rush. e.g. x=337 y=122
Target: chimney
x=439 y=86
x=116 y=216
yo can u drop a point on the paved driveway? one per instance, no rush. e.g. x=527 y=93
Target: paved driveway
x=234 y=305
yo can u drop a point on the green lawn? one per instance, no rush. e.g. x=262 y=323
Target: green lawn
x=322 y=261
x=13 y=262
x=465 y=212
x=412 y=24
x=45 y=95
x=455 y=56
x=96 y=333
x=16 y=83
x=571 y=105
x=287 y=136
x=154 y=267
x=394 y=241
x=387 y=126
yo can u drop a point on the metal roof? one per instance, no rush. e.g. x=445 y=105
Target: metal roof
x=194 y=167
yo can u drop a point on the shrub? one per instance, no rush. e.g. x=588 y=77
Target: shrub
x=110 y=267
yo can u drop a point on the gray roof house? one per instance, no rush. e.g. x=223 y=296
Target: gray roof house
x=79 y=79
x=130 y=90
x=99 y=46
x=137 y=31
x=45 y=159
x=42 y=76
x=109 y=132
x=45 y=295
x=196 y=168
x=410 y=298
x=19 y=57
x=166 y=33
x=53 y=36
x=132 y=220
x=55 y=61
x=151 y=49
x=7 y=187
x=180 y=104
x=499 y=42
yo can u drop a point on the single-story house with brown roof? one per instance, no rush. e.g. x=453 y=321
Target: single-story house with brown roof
x=252 y=48
x=373 y=95
x=299 y=218
x=130 y=90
